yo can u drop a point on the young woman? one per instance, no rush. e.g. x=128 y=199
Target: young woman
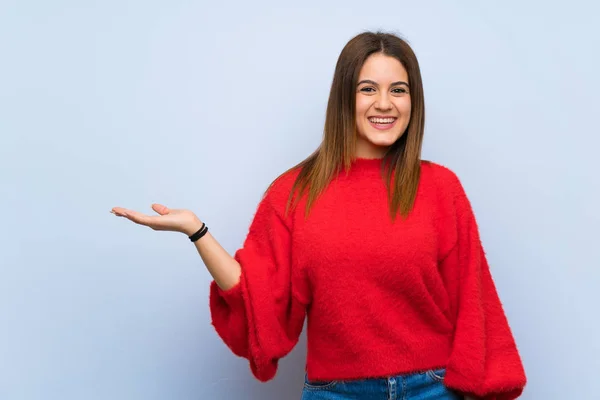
x=378 y=249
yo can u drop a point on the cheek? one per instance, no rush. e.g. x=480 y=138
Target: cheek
x=404 y=106
x=362 y=106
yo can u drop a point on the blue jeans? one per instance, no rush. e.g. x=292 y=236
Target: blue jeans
x=418 y=386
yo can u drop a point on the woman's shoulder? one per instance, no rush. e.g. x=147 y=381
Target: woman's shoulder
x=448 y=187
x=284 y=182
x=278 y=191
x=439 y=174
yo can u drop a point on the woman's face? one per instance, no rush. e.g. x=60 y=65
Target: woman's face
x=382 y=105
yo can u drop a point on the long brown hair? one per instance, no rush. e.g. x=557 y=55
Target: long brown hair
x=337 y=150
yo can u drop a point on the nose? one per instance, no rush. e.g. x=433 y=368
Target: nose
x=383 y=103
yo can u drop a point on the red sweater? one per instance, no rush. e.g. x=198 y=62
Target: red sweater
x=380 y=298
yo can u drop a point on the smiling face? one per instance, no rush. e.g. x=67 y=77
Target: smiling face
x=383 y=105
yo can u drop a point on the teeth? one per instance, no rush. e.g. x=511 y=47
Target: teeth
x=382 y=120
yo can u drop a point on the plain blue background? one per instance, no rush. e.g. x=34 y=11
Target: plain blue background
x=200 y=105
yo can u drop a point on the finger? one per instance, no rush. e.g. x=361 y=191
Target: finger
x=152 y=221
x=159 y=208
x=134 y=216
x=119 y=211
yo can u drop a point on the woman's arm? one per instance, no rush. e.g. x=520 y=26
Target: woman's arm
x=224 y=269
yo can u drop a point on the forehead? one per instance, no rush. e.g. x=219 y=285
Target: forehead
x=382 y=68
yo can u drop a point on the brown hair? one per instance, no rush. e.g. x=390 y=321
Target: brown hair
x=337 y=149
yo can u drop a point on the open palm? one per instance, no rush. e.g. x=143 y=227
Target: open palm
x=176 y=220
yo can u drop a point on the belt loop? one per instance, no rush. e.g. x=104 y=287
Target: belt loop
x=391 y=388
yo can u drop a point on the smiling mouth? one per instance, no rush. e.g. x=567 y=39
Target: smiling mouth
x=382 y=120
x=382 y=123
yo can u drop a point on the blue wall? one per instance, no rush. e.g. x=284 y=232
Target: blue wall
x=200 y=105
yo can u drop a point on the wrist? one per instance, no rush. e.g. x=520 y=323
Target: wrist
x=192 y=227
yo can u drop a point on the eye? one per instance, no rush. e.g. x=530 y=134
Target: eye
x=399 y=90
x=367 y=89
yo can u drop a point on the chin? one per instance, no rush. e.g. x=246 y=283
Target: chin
x=384 y=140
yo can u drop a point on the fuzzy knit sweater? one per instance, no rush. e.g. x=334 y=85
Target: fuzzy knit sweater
x=380 y=298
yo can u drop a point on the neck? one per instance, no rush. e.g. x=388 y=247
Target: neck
x=366 y=150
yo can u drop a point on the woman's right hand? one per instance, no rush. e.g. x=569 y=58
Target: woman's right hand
x=225 y=270
x=176 y=220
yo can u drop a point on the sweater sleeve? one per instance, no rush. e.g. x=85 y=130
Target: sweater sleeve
x=484 y=362
x=261 y=318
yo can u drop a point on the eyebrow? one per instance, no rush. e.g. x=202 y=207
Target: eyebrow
x=375 y=83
